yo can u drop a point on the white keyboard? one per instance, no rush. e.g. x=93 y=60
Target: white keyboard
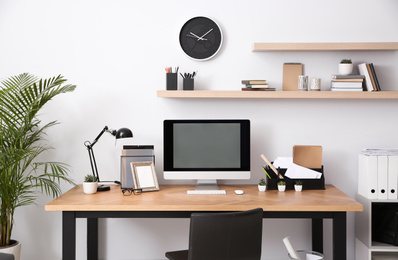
x=206 y=192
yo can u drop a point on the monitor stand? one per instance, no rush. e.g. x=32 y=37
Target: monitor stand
x=207 y=185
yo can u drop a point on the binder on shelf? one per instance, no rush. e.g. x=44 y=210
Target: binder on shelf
x=392 y=177
x=382 y=174
x=367 y=176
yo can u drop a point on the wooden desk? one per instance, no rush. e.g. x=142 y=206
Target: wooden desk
x=172 y=201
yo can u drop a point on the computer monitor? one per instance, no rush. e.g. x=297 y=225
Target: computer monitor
x=206 y=150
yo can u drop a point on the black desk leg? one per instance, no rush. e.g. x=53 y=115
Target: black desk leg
x=340 y=235
x=92 y=238
x=68 y=235
x=317 y=235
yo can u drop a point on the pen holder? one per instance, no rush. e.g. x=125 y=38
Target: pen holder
x=187 y=84
x=171 y=81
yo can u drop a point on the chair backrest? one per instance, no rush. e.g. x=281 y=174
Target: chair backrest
x=226 y=236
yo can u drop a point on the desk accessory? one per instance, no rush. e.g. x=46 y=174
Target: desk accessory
x=309 y=156
x=308 y=184
x=271 y=166
x=290 y=248
x=144 y=176
x=171 y=78
x=239 y=192
x=188 y=80
x=315 y=84
x=133 y=153
x=201 y=38
x=121 y=133
x=302 y=83
x=129 y=191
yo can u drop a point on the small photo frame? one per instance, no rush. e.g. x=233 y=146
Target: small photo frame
x=144 y=176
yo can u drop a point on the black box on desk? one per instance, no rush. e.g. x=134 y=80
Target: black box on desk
x=133 y=153
x=308 y=184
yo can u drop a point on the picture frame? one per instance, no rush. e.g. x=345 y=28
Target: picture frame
x=144 y=176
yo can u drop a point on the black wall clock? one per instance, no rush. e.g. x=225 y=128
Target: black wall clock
x=201 y=38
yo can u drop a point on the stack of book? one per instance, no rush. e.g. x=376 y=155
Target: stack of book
x=256 y=85
x=368 y=70
x=347 y=82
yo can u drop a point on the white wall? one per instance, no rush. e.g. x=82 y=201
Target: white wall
x=116 y=51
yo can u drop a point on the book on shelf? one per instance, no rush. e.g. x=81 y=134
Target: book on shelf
x=371 y=82
x=347 y=82
x=346 y=89
x=257 y=86
x=254 y=81
x=347 y=77
x=258 y=89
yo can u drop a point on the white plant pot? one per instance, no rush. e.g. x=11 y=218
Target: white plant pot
x=281 y=187
x=14 y=249
x=262 y=187
x=298 y=187
x=90 y=187
x=345 y=69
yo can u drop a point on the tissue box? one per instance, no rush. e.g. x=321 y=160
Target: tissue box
x=308 y=184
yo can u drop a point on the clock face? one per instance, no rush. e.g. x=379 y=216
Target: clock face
x=200 y=38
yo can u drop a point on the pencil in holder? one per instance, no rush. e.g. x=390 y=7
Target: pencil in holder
x=171 y=81
x=188 y=83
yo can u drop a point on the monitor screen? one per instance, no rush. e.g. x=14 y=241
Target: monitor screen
x=206 y=149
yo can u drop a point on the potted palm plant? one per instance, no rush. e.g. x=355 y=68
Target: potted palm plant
x=22 y=147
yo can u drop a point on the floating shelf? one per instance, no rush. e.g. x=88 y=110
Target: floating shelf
x=327 y=46
x=277 y=94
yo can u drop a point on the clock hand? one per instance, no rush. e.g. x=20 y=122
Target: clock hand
x=199 y=38
x=206 y=33
x=191 y=36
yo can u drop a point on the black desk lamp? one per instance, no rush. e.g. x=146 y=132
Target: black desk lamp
x=121 y=133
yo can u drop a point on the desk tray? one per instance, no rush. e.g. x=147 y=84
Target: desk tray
x=308 y=184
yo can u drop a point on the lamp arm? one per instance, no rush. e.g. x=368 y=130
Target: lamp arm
x=98 y=137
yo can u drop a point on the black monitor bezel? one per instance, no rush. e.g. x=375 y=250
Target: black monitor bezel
x=168 y=128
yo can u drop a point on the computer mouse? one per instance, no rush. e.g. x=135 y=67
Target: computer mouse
x=239 y=192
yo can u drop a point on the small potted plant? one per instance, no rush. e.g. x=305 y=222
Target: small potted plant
x=345 y=67
x=281 y=185
x=298 y=186
x=90 y=184
x=261 y=185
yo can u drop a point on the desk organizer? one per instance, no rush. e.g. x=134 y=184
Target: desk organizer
x=308 y=184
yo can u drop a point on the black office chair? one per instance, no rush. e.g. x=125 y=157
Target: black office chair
x=223 y=236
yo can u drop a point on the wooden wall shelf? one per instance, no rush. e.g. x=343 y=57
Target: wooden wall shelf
x=331 y=46
x=277 y=94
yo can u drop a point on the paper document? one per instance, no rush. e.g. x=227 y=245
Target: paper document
x=299 y=172
x=283 y=162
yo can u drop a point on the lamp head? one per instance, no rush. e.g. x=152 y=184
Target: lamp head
x=123 y=133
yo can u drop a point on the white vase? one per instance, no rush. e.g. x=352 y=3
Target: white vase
x=90 y=187
x=345 y=68
x=262 y=187
x=14 y=249
x=298 y=187
x=281 y=187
